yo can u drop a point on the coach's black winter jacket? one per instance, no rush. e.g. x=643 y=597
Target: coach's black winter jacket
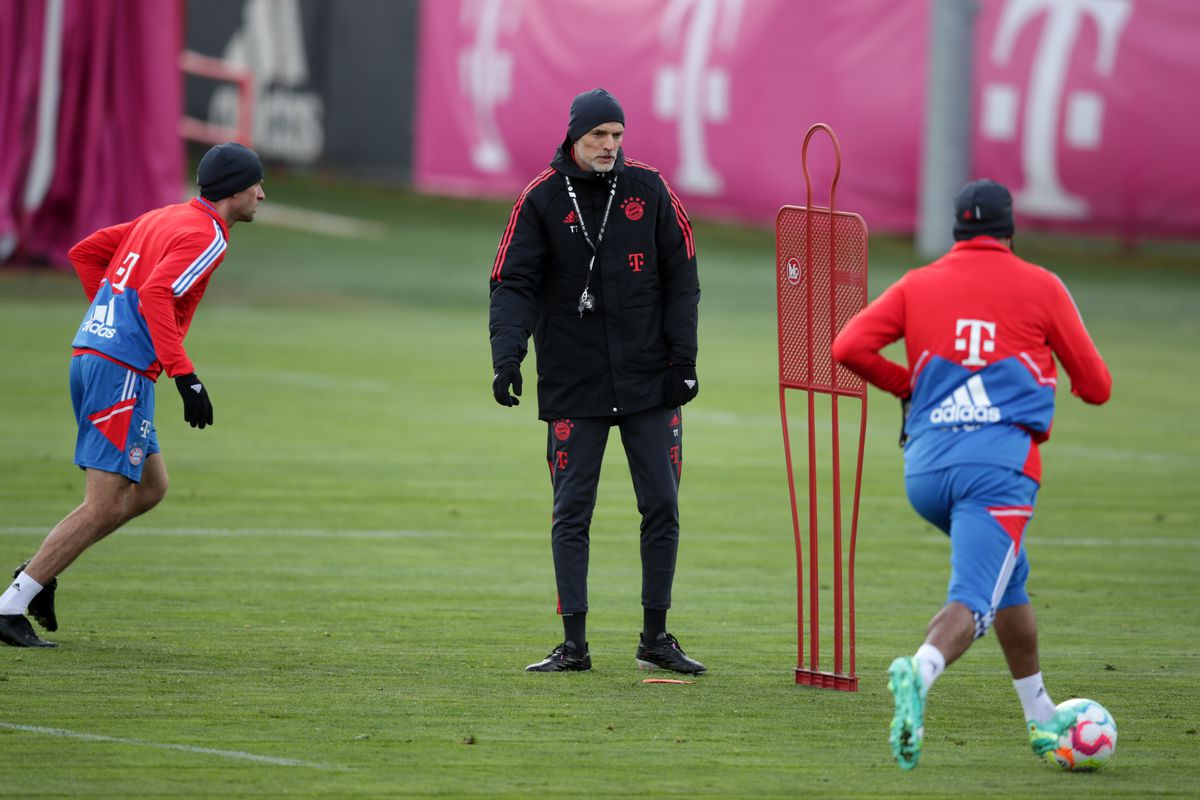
x=611 y=361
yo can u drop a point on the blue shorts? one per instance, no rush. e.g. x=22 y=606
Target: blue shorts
x=984 y=509
x=114 y=407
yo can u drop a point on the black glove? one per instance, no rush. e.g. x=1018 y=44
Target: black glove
x=506 y=376
x=680 y=385
x=197 y=408
x=905 y=405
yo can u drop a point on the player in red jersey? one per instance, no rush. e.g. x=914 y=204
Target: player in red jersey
x=981 y=329
x=144 y=279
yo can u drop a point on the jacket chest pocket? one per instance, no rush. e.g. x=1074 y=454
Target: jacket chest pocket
x=566 y=272
x=632 y=270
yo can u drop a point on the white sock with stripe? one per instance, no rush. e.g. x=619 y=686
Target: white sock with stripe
x=1035 y=700
x=16 y=597
x=931 y=663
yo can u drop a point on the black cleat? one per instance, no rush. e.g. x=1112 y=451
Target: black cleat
x=16 y=631
x=665 y=653
x=564 y=658
x=41 y=608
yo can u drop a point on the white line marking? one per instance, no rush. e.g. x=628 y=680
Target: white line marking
x=309 y=221
x=306 y=533
x=95 y=737
x=318 y=380
x=1096 y=541
x=1049 y=540
x=1113 y=454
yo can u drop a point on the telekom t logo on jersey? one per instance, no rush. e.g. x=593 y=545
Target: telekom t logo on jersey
x=980 y=338
x=124 y=271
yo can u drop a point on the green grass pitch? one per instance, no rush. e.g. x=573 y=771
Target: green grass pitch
x=352 y=567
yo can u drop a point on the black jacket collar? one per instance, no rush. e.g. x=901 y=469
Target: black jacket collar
x=564 y=162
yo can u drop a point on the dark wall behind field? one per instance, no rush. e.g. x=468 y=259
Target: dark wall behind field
x=334 y=81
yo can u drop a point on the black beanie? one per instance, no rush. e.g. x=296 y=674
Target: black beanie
x=982 y=208
x=591 y=109
x=227 y=169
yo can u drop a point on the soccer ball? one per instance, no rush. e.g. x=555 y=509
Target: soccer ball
x=1090 y=741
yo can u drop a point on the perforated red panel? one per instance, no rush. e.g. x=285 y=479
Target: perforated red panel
x=840 y=262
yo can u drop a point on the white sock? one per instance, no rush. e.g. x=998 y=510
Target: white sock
x=16 y=597
x=930 y=664
x=1035 y=700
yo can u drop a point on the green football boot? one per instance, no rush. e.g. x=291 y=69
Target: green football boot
x=1043 y=736
x=908 y=725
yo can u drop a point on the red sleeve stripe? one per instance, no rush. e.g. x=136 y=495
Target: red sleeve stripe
x=635 y=163
x=506 y=239
x=684 y=224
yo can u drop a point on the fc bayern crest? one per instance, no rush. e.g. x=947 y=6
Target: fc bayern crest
x=136 y=454
x=634 y=208
x=562 y=430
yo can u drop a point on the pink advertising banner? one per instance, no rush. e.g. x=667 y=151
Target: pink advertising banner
x=1078 y=105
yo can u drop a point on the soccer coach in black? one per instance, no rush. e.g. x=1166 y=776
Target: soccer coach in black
x=598 y=263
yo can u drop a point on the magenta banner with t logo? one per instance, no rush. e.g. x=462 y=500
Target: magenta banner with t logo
x=1085 y=109
x=1071 y=101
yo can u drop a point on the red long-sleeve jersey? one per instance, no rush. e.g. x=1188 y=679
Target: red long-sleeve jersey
x=144 y=279
x=981 y=329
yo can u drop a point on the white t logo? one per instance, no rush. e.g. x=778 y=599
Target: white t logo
x=123 y=272
x=694 y=92
x=485 y=76
x=1048 y=105
x=974 y=343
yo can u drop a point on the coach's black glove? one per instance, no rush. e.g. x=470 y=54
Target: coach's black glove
x=680 y=385
x=197 y=408
x=507 y=376
x=905 y=405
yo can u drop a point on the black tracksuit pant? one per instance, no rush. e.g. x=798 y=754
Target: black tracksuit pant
x=653 y=443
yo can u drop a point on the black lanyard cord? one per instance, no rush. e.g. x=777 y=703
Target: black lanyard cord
x=612 y=192
x=587 y=301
